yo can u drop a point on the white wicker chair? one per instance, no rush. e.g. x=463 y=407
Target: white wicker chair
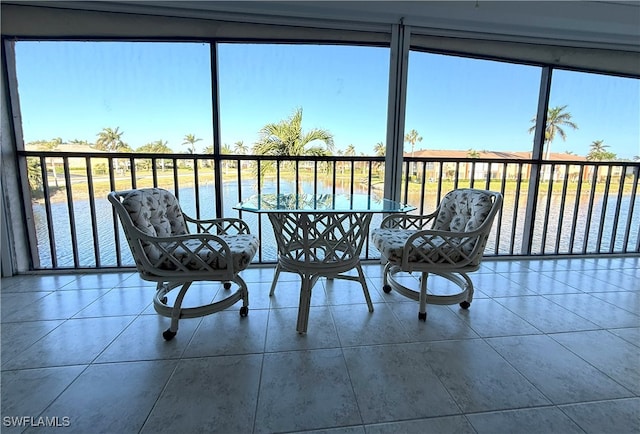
x=165 y=252
x=449 y=243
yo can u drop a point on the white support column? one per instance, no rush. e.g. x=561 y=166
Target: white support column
x=537 y=155
x=5 y=245
x=19 y=243
x=398 y=66
x=217 y=145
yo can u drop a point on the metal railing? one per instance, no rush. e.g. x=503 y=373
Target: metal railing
x=577 y=208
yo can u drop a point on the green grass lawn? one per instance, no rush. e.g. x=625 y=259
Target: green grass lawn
x=186 y=178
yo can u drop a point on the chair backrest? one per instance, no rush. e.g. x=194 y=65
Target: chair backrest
x=467 y=209
x=153 y=211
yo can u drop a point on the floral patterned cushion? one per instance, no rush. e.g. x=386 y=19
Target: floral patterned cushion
x=463 y=211
x=391 y=242
x=243 y=248
x=156 y=212
x=460 y=211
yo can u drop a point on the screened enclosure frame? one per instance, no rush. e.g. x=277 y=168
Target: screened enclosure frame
x=52 y=24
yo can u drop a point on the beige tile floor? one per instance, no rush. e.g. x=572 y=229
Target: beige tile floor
x=548 y=346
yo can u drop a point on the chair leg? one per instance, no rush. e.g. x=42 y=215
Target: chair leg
x=422 y=314
x=385 y=278
x=160 y=286
x=364 y=287
x=275 y=280
x=467 y=303
x=175 y=313
x=244 y=294
x=305 y=303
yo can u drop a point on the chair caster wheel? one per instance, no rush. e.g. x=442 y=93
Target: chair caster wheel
x=465 y=304
x=386 y=288
x=227 y=285
x=164 y=300
x=244 y=311
x=422 y=316
x=168 y=334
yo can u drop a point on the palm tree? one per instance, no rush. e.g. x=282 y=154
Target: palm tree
x=191 y=140
x=598 y=152
x=340 y=164
x=208 y=150
x=225 y=149
x=240 y=148
x=556 y=119
x=380 y=150
x=110 y=140
x=287 y=138
x=471 y=153
x=157 y=147
x=351 y=150
x=50 y=146
x=412 y=137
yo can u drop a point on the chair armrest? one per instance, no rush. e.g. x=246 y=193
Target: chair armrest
x=221 y=226
x=443 y=247
x=407 y=221
x=188 y=260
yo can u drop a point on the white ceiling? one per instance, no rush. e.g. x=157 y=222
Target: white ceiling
x=606 y=24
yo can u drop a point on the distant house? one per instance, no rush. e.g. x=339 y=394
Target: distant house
x=492 y=170
x=97 y=164
x=74 y=162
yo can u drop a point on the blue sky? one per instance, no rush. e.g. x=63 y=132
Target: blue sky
x=154 y=91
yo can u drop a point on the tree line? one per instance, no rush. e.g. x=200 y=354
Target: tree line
x=287 y=138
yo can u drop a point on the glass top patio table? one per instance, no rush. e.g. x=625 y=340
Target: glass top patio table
x=320 y=235
x=321 y=203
